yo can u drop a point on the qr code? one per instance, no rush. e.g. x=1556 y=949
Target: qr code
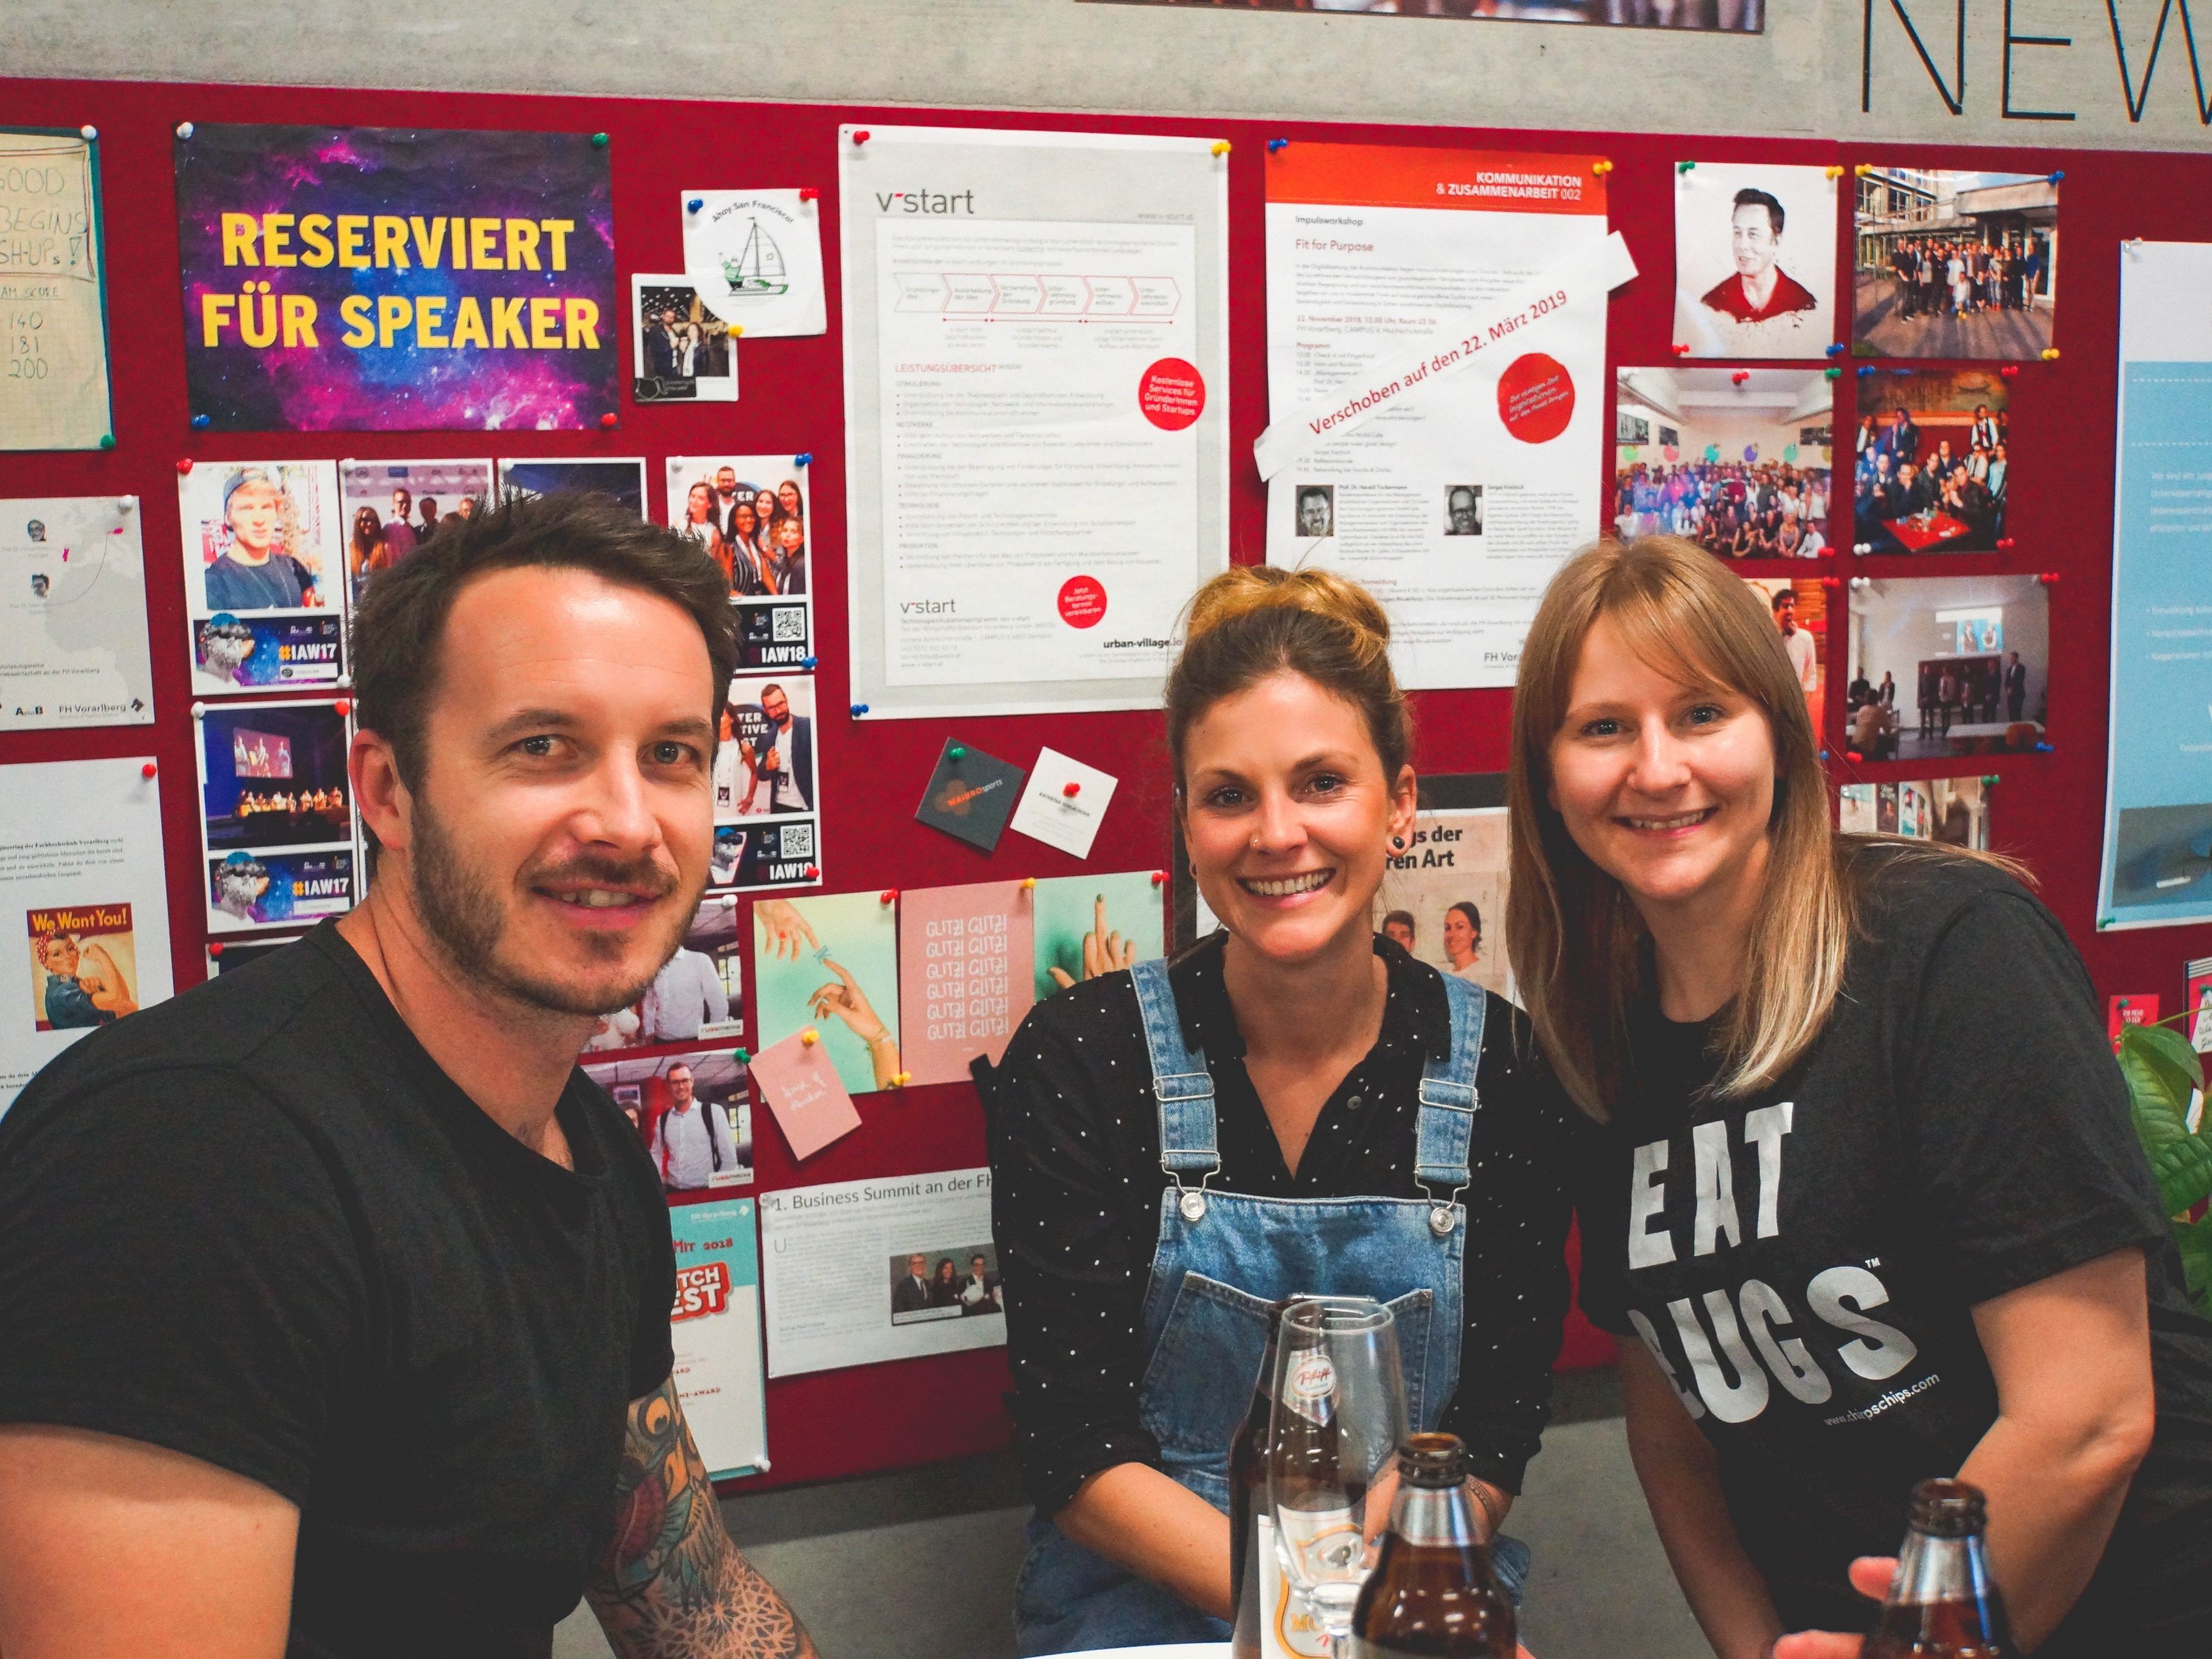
x=790 y=624
x=798 y=840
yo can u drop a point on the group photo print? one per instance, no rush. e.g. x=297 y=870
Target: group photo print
x=1954 y=263
x=1931 y=469
x=749 y=513
x=1737 y=460
x=959 y=1281
x=1948 y=665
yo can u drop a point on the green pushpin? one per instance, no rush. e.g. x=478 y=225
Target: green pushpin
x=598 y=140
x=107 y=440
x=742 y=1056
x=955 y=752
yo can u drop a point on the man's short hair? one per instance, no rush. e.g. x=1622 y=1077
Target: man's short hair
x=1782 y=596
x=399 y=623
x=1403 y=919
x=1314 y=493
x=1745 y=199
x=771 y=686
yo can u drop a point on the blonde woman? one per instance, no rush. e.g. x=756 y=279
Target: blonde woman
x=1868 y=1194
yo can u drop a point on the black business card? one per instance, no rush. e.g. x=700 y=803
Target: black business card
x=971 y=795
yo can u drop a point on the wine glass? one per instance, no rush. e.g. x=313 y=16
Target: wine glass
x=1339 y=1412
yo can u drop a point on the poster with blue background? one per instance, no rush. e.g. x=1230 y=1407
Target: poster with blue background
x=358 y=279
x=2157 y=864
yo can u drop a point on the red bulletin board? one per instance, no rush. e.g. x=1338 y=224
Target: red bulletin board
x=2045 y=811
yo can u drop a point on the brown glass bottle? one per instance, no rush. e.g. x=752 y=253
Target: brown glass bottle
x=1943 y=1603
x=1248 y=1498
x=1432 y=1593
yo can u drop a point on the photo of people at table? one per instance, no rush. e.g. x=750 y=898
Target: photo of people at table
x=957 y=1282
x=1932 y=461
x=274 y=774
x=1948 y=666
x=749 y=514
x=1737 y=460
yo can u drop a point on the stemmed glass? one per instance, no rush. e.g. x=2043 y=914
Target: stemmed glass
x=1338 y=1414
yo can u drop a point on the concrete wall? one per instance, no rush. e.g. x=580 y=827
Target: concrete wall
x=1814 y=72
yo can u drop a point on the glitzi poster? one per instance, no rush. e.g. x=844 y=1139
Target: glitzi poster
x=379 y=279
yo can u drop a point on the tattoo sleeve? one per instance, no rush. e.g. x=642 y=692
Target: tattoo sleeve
x=671 y=1585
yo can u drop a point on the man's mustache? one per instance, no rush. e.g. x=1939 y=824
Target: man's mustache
x=643 y=875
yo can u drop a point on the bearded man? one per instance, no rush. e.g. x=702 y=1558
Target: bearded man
x=374 y=1360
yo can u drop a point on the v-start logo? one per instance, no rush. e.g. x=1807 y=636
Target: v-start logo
x=938 y=202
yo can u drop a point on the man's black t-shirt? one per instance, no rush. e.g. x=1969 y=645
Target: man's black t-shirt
x=256 y=1224
x=1804 y=1262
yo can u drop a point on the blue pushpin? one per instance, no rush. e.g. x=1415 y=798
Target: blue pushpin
x=1824 y=754
x=1865 y=369
x=804 y=458
x=200 y=420
x=2043 y=749
x=1837 y=349
x=858 y=709
x=694 y=204
x=807 y=662
x=2055 y=177
x=1274 y=144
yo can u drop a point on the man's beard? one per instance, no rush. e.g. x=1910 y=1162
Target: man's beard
x=462 y=913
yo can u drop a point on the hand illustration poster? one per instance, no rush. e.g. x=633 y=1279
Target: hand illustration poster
x=80 y=876
x=829 y=964
x=73 y=647
x=53 y=294
x=381 y=279
x=1086 y=925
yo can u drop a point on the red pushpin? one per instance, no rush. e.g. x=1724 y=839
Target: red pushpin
x=888 y=896
x=608 y=420
x=1681 y=350
x=808 y=193
x=2004 y=543
x=813 y=874
x=343 y=705
x=1071 y=790
x=184 y=466
x=147 y=770
x=861 y=136
x=1853 y=755
x=1832 y=581
x=1741 y=376
x=2010 y=371
x=215 y=947
x=1159 y=878
x=2049 y=578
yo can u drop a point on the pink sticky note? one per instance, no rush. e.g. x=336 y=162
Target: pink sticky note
x=966 y=975
x=799 y=1082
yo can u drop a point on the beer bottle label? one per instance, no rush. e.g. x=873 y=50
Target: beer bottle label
x=1287 y=1629
x=1310 y=1389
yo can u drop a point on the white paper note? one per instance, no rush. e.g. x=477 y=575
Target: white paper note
x=1064 y=803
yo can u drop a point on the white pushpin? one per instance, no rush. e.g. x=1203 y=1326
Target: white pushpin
x=126 y=503
x=199 y=711
x=184 y=129
x=88 y=131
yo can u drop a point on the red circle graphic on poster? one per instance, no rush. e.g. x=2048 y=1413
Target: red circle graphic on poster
x=1535 y=398
x=1172 y=394
x=1082 y=601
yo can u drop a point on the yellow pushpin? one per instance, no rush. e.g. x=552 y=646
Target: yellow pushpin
x=900 y=1080
x=2051 y=354
x=1221 y=147
x=810 y=1037
x=1862 y=169
x=1836 y=171
x=736 y=329
x=1600 y=166
x=1028 y=883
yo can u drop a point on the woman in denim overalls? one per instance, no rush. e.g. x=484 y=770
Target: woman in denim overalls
x=1293 y=791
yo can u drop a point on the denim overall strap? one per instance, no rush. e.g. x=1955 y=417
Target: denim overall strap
x=1181 y=1083
x=1449 y=1103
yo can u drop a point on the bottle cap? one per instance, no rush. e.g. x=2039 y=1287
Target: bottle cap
x=1432 y=1461
x=1948 y=1509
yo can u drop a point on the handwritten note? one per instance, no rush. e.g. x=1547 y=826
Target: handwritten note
x=800 y=1083
x=53 y=339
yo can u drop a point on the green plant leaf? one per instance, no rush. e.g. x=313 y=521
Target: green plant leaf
x=2170 y=1047
x=2184 y=1168
x=2194 y=1239
x=2158 y=1093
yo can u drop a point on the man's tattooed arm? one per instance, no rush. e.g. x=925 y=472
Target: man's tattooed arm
x=671 y=1585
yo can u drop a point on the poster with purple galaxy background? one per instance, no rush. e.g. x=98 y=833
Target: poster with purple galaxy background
x=357 y=279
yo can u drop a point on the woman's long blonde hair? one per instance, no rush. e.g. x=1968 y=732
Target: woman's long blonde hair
x=1578 y=944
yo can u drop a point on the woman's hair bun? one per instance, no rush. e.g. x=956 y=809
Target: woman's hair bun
x=1244 y=589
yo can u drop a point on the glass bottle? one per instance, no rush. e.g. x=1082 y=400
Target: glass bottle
x=1433 y=1592
x=1943 y=1603
x=1248 y=1531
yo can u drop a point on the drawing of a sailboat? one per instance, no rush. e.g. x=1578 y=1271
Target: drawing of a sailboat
x=758 y=271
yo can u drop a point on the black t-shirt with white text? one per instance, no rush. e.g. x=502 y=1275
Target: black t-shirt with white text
x=256 y=1224
x=1803 y=1261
